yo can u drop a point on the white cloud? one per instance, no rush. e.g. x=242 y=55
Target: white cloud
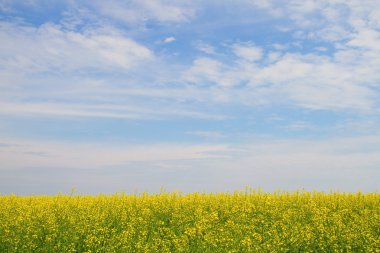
x=347 y=164
x=344 y=80
x=142 y=10
x=205 y=48
x=167 y=11
x=273 y=56
x=206 y=70
x=316 y=82
x=207 y=134
x=100 y=110
x=279 y=46
x=51 y=48
x=35 y=153
x=300 y=125
x=324 y=20
x=368 y=39
x=321 y=49
x=169 y=39
x=248 y=52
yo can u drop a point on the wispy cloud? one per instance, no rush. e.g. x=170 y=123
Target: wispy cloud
x=207 y=134
x=206 y=70
x=99 y=111
x=248 y=52
x=139 y=11
x=204 y=47
x=342 y=163
x=169 y=39
x=310 y=80
x=51 y=48
x=18 y=153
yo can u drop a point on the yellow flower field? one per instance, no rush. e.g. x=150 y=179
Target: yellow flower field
x=246 y=221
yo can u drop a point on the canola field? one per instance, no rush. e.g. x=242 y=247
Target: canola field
x=246 y=221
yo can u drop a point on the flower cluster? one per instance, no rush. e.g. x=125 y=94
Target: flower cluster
x=244 y=221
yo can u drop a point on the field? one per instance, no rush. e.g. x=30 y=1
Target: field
x=244 y=221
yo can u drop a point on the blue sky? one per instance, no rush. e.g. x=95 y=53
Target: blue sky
x=130 y=96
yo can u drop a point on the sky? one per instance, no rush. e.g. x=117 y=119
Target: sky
x=131 y=96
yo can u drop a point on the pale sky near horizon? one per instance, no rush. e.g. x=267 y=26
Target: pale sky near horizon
x=109 y=96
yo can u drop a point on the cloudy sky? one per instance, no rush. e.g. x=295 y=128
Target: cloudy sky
x=110 y=96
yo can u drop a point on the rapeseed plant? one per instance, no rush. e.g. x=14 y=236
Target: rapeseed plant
x=244 y=221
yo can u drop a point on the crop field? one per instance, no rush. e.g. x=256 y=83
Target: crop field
x=244 y=221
